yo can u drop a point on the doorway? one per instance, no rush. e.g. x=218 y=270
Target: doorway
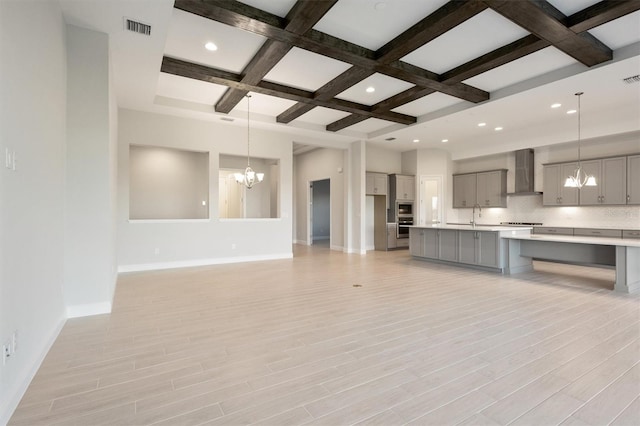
x=319 y=229
x=431 y=201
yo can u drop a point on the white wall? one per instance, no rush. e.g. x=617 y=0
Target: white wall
x=168 y=183
x=383 y=160
x=32 y=123
x=319 y=164
x=90 y=270
x=157 y=244
x=530 y=209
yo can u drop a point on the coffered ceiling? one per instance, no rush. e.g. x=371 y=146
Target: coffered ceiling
x=334 y=71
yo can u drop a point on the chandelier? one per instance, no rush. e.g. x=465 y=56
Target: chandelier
x=579 y=178
x=249 y=177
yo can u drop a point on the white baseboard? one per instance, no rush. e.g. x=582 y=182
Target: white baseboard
x=201 y=262
x=338 y=248
x=86 y=310
x=369 y=248
x=8 y=406
x=301 y=242
x=320 y=237
x=355 y=251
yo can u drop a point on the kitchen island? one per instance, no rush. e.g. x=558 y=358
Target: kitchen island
x=481 y=246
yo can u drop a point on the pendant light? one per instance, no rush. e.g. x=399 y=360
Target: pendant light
x=249 y=177
x=579 y=178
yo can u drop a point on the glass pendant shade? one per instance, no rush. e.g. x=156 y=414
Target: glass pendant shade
x=249 y=177
x=579 y=178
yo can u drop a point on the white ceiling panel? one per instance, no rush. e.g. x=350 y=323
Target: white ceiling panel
x=384 y=86
x=481 y=34
x=189 y=33
x=369 y=125
x=427 y=104
x=622 y=32
x=569 y=7
x=265 y=104
x=305 y=70
x=277 y=7
x=321 y=115
x=188 y=89
x=373 y=23
x=533 y=65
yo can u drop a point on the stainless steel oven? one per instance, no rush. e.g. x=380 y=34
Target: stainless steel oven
x=404 y=222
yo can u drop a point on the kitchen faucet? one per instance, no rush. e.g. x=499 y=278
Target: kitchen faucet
x=473 y=213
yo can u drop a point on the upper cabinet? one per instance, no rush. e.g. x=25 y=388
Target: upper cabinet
x=633 y=179
x=611 y=179
x=486 y=189
x=617 y=182
x=402 y=187
x=464 y=190
x=492 y=188
x=555 y=193
x=376 y=183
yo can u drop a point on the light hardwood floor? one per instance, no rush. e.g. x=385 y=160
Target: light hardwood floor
x=334 y=339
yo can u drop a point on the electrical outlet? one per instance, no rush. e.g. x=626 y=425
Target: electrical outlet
x=156 y=251
x=6 y=352
x=7 y=158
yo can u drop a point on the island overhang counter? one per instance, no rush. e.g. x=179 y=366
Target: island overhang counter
x=511 y=250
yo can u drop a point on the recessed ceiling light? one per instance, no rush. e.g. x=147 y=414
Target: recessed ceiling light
x=211 y=46
x=497 y=129
x=556 y=105
x=571 y=111
x=371 y=89
x=482 y=124
x=416 y=140
x=445 y=140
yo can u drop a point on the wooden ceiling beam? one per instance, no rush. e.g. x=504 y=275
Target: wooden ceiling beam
x=388 y=104
x=217 y=76
x=444 y=19
x=250 y=19
x=601 y=13
x=300 y=19
x=591 y=17
x=545 y=21
x=327 y=92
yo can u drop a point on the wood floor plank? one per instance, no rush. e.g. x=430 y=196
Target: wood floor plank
x=292 y=341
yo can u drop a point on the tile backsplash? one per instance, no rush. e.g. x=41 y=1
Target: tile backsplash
x=528 y=208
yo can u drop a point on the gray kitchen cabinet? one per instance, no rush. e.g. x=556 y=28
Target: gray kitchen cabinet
x=467 y=247
x=391 y=236
x=434 y=243
x=486 y=189
x=633 y=179
x=431 y=244
x=551 y=230
x=448 y=245
x=479 y=248
x=416 y=242
x=610 y=174
x=555 y=193
x=628 y=233
x=376 y=183
x=402 y=187
x=491 y=188
x=594 y=232
x=464 y=190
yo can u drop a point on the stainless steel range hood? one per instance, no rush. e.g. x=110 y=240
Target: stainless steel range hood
x=524 y=173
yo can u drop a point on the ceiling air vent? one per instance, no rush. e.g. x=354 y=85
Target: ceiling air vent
x=390 y=139
x=137 y=27
x=632 y=79
x=226 y=119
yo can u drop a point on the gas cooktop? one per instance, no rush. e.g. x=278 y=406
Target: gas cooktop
x=521 y=223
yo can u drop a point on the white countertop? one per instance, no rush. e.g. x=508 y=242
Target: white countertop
x=478 y=227
x=627 y=242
